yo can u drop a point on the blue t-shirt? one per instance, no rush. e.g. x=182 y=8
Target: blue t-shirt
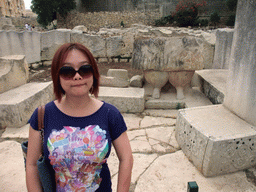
x=77 y=148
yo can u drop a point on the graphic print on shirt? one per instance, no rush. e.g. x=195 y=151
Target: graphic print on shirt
x=77 y=156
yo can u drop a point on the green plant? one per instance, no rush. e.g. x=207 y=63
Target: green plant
x=215 y=18
x=203 y=22
x=231 y=20
x=47 y=10
x=164 y=21
x=186 y=12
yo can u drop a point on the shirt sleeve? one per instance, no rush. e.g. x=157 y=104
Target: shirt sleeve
x=33 y=121
x=116 y=123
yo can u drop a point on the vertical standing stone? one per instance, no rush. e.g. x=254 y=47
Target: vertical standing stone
x=241 y=85
x=223 y=47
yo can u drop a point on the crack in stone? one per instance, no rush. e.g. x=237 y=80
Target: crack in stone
x=135 y=184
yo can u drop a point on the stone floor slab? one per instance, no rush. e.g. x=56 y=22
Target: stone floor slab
x=140 y=145
x=149 y=121
x=161 y=134
x=180 y=171
x=135 y=133
x=22 y=132
x=132 y=121
x=12 y=174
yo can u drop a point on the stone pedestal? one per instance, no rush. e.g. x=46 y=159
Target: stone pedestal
x=180 y=79
x=157 y=79
x=173 y=58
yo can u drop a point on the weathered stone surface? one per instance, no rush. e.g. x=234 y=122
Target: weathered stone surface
x=80 y=28
x=118 y=73
x=17 y=105
x=165 y=104
x=157 y=79
x=136 y=133
x=240 y=94
x=21 y=132
x=224 y=38
x=21 y=43
x=153 y=121
x=144 y=161
x=113 y=82
x=161 y=113
x=8 y=27
x=114 y=46
x=12 y=177
x=172 y=172
x=95 y=43
x=216 y=140
x=127 y=46
x=128 y=100
x=51 y=41
x=213 y=84
x=160 y=137
x=148 y=53
x=14 y=72
x=136 y=81
x=132 y=121
x=168 y=54
x=141 y=145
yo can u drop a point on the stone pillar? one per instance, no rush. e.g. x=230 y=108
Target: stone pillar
x=223 y=46
x=241 y=85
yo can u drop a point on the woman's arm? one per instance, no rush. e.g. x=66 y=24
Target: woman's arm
x=33 y=153
x=124 y=154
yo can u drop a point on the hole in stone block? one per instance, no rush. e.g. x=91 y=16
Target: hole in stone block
x=236 y=147
x=250 y=139
x=253 y=144
x=237 y=142
x=243 y=143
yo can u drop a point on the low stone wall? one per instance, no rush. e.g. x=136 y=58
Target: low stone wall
x=96 y=20
x=108 y=44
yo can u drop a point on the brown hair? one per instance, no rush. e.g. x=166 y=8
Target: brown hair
x=57 y=63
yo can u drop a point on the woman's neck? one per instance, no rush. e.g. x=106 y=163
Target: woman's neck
x=76 y=102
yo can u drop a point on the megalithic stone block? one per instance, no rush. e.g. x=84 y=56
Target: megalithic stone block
x=14 y=72
x=241 y=85
x=17 y=105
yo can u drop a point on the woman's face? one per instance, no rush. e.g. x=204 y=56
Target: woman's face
x=82 y=81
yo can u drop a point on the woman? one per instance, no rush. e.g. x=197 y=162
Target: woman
x=79 y=129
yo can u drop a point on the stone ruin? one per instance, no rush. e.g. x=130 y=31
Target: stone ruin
x=218 y=139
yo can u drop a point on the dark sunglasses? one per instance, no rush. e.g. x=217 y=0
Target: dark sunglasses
x=67 y=72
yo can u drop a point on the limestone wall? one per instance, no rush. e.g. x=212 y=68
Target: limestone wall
x=12 y=8
x=96 y=20
x=105 y=44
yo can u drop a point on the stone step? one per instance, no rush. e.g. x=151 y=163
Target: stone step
x=193 y=98
x=216 y=140
x=213 y=83
x=127 y=100
x=18 y=104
